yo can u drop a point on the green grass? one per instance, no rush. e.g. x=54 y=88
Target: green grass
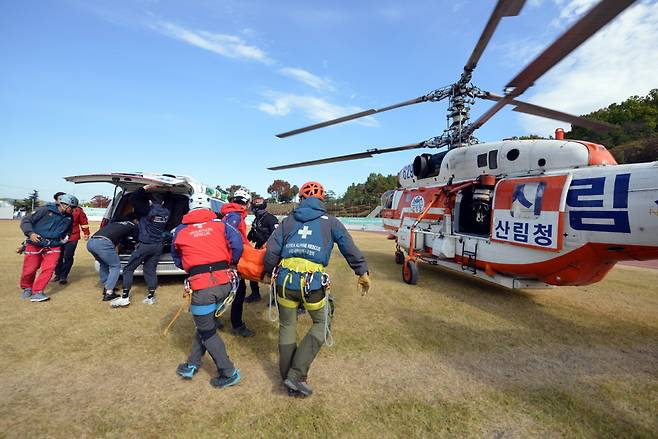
x=449 y=357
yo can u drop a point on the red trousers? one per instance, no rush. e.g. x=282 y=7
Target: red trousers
x=38 y=257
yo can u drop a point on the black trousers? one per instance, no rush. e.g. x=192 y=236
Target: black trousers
x=255 y=289
x=66 y=259
x=238 y=305
x=149 y=254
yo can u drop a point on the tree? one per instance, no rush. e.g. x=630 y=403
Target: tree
x=280 y=190
x=368 y=193
x=29 y=203
x=99 y=201
x=232 y=188
x=637 y=119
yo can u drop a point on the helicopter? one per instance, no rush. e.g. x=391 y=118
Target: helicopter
x=518 y=213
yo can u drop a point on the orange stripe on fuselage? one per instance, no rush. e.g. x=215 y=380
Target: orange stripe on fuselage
x=583 y=266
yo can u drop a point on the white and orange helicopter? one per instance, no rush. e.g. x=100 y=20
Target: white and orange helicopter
x=518 y=213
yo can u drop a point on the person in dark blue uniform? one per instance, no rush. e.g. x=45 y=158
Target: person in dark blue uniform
x=297 y=253
x=153 y=217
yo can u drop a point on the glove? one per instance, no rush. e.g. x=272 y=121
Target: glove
x=65 y=240
x=363 y=284
x=267 y=279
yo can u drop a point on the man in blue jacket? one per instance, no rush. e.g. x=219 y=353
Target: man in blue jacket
x=153 y=217
x=300 y=249
x=46 y=229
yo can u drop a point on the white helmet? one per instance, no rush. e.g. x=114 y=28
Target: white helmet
x=242 y=195
x=199 y=201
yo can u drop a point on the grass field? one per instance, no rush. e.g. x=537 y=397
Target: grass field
x=449 y=357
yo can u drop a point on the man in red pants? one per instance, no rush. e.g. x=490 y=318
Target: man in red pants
x=46 y=229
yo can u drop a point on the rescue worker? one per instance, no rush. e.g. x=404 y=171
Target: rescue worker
x=65 y=263
x=153 y=217
x=103 y=247
x=233 y=214
x=46 y=229
x=205 y=247
x=297 y=253
x=261 y=229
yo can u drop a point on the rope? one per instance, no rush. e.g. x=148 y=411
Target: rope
x=328 y=337
x=187 y=300
x=272 y=298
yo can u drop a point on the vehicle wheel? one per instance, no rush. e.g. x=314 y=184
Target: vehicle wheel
x=410 y=272
x=399 y=257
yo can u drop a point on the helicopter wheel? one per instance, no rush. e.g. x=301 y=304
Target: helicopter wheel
x=410 y=272
x=399 y=257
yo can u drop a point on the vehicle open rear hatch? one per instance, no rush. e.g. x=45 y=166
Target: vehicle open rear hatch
x=130 y=182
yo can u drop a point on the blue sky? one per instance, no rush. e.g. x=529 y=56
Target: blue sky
x=201 y=87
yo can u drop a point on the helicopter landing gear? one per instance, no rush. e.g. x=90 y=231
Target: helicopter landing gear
x=399 y=256
x=410 y=271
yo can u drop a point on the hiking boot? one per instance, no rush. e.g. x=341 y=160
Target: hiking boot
x=253 y=297
x=111 y=296
x=63 y=281
x=299 y=386
x=187 y=370
x=222 y=381
x=243 y=331
x=39 y=297
x=149 y=300
x=295 y=393
x=120 y=302
x=27 y=293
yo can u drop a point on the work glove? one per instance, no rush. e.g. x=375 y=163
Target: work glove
x=363 y=283
x=267 y=279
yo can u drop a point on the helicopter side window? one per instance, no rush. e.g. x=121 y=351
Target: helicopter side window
x=482 y=160
x=513 y=154
x=493 y=159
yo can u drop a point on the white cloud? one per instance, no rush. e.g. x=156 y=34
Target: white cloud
x=312 y=107
x=307 y=78
x=617 y=62
x=572 y=9
x=230 y=46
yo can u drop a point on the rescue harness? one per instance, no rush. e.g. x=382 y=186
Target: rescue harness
x=307 y=270
x=199 y=310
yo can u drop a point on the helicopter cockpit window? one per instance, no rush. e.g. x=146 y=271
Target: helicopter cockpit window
x=482 y=160
x=513 y=154
x=493 y=159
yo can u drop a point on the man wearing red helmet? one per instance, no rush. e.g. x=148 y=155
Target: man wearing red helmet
x=297 y=253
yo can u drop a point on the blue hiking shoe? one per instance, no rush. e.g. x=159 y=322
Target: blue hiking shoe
x=222 y=381
x=27 y=293
x=187 y=370
x=39 y=297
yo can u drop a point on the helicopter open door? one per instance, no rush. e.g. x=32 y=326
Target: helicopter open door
x=530 y=211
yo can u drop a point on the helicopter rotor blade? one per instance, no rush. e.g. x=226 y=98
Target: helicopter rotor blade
x=579 y=32
x=352 y=117
x=504 y=8
x=359 y=155
x=536 y=110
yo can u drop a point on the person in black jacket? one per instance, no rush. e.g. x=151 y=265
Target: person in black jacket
x=103 y=245
x=263 y=226
x=153 y=217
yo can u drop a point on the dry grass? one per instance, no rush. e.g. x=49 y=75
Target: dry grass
x=450 y=357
